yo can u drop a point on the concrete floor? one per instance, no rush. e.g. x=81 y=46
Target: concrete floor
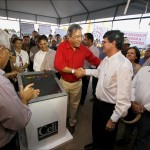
x=83 y=132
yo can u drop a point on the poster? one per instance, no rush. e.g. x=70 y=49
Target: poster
x=26 y=28
x=137 y=38
x=98 y=32
x=45 y=29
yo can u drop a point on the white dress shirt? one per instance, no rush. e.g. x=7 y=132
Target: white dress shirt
x=25 y=58
x=141 y=87
x=114 y=83
x=96 y=52
x=38 y=60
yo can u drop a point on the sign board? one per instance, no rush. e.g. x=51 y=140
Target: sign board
x=137 y=38
x=27 y=28
x=45 y=29
x=98 y=32
x=62 y=32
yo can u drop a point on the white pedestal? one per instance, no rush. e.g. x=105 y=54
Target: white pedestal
x=47 y=127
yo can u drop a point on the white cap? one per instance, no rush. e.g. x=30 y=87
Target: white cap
x=4 y=39
x=126 y=40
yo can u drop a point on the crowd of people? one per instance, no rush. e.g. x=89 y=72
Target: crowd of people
x=120 y=81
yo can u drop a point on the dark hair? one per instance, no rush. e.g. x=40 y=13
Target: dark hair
x=57 y=35
x=16 y=39
x=50 y=35
x=72 y=28
x=42 y=37
x=137 y=52
x=26 y=36
x=115 y=35
x=89 y=36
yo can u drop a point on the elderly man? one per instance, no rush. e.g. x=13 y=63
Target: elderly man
x=113 y=92
x=13 y=110
x=70 y=56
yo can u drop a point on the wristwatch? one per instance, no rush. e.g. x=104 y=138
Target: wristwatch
x=72 y=71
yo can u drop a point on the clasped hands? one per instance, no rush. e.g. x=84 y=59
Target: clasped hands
x=137 y=108
x=79 y=73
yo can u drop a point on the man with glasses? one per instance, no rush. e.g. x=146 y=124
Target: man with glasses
x=113 y=92
x=70 y=56
x=13 y=110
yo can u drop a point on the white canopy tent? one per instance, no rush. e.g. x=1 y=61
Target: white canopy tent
x=68 y=11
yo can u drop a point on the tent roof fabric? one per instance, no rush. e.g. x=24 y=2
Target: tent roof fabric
x=68 y=11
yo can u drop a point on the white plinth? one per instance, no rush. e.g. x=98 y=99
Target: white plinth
x=45 y=113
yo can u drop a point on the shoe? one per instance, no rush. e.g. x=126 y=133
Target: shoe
x=89 y=147
x=122 y=142
x=71 y=129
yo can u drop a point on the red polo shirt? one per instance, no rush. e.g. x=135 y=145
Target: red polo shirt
x=67 y=57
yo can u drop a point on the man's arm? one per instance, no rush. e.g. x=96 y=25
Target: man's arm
x=92 y=59
x=124 y=78
x=14 y=114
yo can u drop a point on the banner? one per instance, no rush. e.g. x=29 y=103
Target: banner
x=26 y=28
x=45 y=29
x=137 y=38
x=98 y=32
x=61 y=32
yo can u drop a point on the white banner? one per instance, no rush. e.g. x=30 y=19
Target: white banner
x=62 y=32
x=27 y=28
x=98 y=32
x=45 y=29
x=136 y=38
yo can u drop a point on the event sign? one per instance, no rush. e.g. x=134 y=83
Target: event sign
x=26 y=28
x=137 y=38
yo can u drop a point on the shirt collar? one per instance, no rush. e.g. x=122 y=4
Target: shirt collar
x=2 y=72
x=69 y=45
x=113 y=56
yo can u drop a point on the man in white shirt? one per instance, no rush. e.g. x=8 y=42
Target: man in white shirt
x=40 y=55
x=113 y=91
x=141 y=104
x=88 y=41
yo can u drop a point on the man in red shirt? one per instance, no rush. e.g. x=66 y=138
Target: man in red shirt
x=70 y=56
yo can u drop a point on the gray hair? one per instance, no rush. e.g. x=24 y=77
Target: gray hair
x=4 y=39
x=73 y=28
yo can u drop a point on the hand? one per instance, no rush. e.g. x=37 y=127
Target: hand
x=11 y=74
x=79 y=73
x=137 y=108
x=110 y=126
x=28 y=93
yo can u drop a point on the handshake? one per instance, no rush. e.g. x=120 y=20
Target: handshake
x=80 y=72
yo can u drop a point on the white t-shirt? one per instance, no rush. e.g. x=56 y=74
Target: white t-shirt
x=38 y=60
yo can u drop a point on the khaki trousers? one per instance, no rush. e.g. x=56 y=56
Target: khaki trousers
x=74 y=95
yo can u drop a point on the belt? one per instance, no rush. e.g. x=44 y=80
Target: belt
x=71 y=81
x=104 y=103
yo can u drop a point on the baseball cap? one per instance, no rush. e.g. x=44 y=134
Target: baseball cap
x=126 y=40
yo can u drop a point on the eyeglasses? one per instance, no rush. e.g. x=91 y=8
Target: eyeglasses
x=77 y=37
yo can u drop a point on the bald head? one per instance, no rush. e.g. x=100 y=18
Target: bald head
x=4 y=39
